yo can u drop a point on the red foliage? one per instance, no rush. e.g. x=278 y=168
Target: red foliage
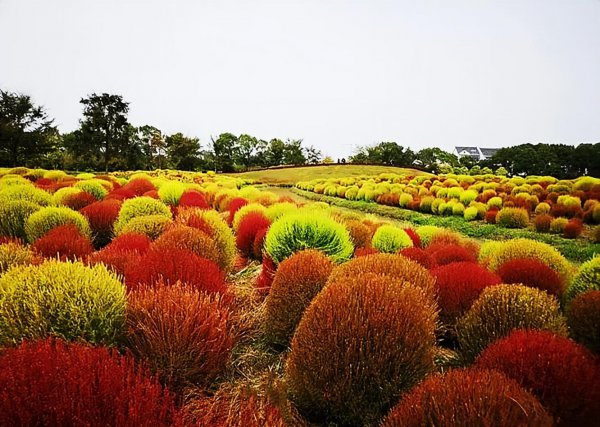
x=562 y=374
x=419 y=255
x=8 y=239
x=443 y=254
x=259 y=241
x=542 y=222
x=490 y=216
x=101 y=217
x=573 y=229
x=389 y=199
x=139 y=186
x=249 y=227
x=65 y=242
x=458 y=286
x=173 y=264
x=566 y=211
x=584 y=319
x=193 y=198
x=531 y=272
x=50 y=383
x=152 y=193
x=135 y=242
x=265 y=279
x=79 y=201
x=414 y=237
x=200 y=223
x=121 y=194
x=414 y=205
x=362 y=251
x=234 y=205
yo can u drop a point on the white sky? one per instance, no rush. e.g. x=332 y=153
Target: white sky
x=336 y=73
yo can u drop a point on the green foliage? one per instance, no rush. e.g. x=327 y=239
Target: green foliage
x=62 y=194
x=558 y=225
x=150 y=225
x=12 y=254
x=96 y=187
x=14 y=215
x=390 y=239
x=26 y=193
x=587 y=279
x=512 y=218
x=458 y=209
x=471 y=213
x=170 y=192
x=140 y=206
x=308 y=230
x=501 y=309
x=45 y=219
x=68 y=300
x=468 y=196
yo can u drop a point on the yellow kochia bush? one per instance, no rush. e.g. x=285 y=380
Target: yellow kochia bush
x=140 y=206
x=12 y=254
x=68 y=300
x=45 y=219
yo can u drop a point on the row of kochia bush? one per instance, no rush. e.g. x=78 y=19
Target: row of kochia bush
x=368 y=312
x=510 y=202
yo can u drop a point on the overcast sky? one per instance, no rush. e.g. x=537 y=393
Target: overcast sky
x=337 y=74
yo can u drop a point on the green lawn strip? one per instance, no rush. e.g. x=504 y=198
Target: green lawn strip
x=577 y=250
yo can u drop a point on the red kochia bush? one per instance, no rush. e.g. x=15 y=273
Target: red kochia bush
x=123 y=251
x=414 y=237
x=459 y=285
x=193 y=198
x=171 y=265
x=121 y=194
x=542 y=222
x=50 y=383
x=531 y=272
x=234 y=205
x=583 y=317
x=419 y=255
x=562 y=374
x=468 y=397
x=490 y=216
x=79 y=200
x=573 y=229
x=267 y=274
x=443 y=254
x=181 y=334
x=101 y=217
x=139 y=243
x=139 y=186
x=65 y=242
x=362 y=251
x=259 y=243
x=249 y=227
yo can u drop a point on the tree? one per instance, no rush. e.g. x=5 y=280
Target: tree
x=430 y=159
x=105 y=132
x=183 y=153
x=292 y=153
x=274 y=152
x=313 y=156
x=246 y=150
x=153 y=145
x=224 y=149
x=385 y=153
x=26 y=132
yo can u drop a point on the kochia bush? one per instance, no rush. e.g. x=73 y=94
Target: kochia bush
x=64 y=242
x=14 y=215
x=531 y=272
x=587 y=279
x=583 y=317
x=308 y=230
x=390 y=239
x=138 y=207
x=45 y=219
x=512 y=218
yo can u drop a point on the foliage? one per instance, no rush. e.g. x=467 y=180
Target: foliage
x=63 y=299
x=51 y=383
x=64 y=242
x=531 y=272
x=27 y=193
x=587 y=278
x=14 y=215
x=250 y=225
x=95 y=187
x=583 y=317
x=501 y=309
x=12 y=254
x=47 y=218
x=512 y=218
x=390 y=239
x=140 y=206
x=101 y=217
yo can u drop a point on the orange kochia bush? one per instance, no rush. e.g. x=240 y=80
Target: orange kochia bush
x=532 y=272
x=583 y=317
x=250 y=226
x=123 y=251
x=101 y=217
x=297 y=281
x=64 y=242
x=363 y=341
x=468 y=397
x=182 y=334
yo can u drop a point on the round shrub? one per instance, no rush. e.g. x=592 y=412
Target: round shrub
x=558 y=225
x=542 y=209
x=361 y=343
x=50 y=383
x=96 y=187
x=248 y=228
x=458 y=209
x=468 y=397
x=501 y=252
x=79 y=201
x=426 y=232
x=562 y=374
x=360 y=233
x=512 y=218
x=458 y=285
x=101 y=216
x=490 y=216
x=297 y=281
x=587 y=279
x=531 y=272
x=308 y=230
x=471 y=213
x=193 y=198
x=583 y=317
x=242 y=211
x=443 y=254
x=26 y=193
x=418 y=255
x=501 y=309
x=12 y=254
x=172 y=265
x=140 y=186
x=64 y=242
x=495 y=202
x=181 y=334
x=63 y=299
x=122 y=252
x=14 y=215
x=390 y=239
x=150 y=225
x=170 y=192
x=573 y=229
x=542 y=223
x=61 y=194
x=194 y=240
x=138 y=207
x=45 y=219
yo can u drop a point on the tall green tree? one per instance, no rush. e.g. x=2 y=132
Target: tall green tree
x=247 y=147
x=183 y=152
x=313 y=156
x=224 y=149
x=105 y=132
x=274 y=152
x=153 y=146
x=430 y=159
x=293 y=153
x=27 y=135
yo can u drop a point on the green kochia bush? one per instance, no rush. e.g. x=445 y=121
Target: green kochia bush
x=308 y=230
x=63 y=299
x=587 y=279
x=13 y=216
x=140 y=206
x=93 y=186
x=27 y=193
x=44 y=220
x=390 y=239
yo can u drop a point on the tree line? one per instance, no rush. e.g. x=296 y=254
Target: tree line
x=106 y=140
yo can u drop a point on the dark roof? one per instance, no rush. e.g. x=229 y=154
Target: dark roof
x=471 y=150
x=488 y=152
